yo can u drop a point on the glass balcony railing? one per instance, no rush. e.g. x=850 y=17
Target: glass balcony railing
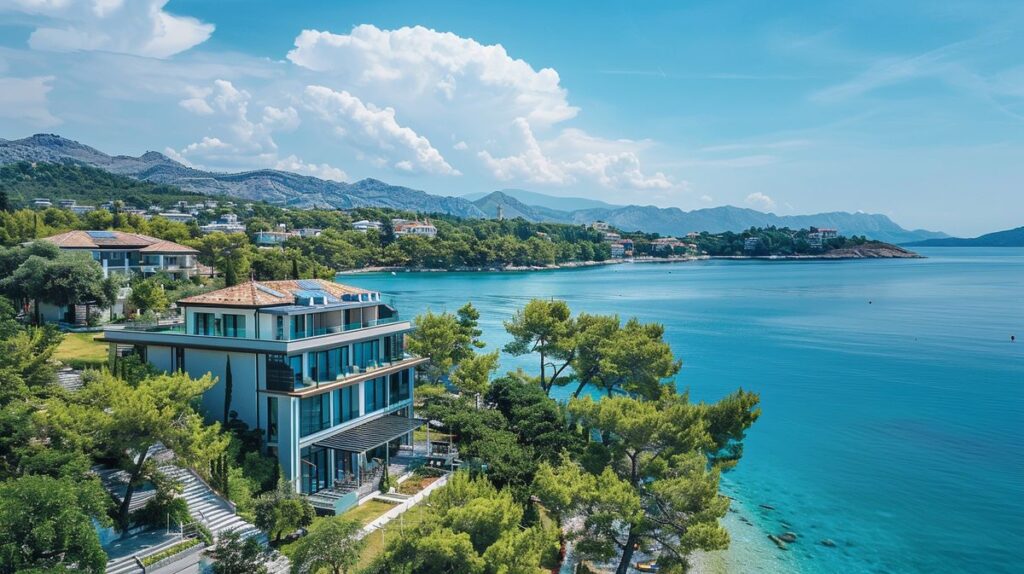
x=334 y=329
x=282 y=377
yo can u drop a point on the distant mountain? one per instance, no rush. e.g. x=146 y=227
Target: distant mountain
x=269 y=185
x=674 y=221
x=535 y=199
x=1008 y=238
x=282 y=187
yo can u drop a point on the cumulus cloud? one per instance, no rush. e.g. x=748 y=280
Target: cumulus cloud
x=137 y=27
x=417 y=62
x=25 y=99
x=242 y=143
x=577 y=157
x=758 y=200
x=376 y=130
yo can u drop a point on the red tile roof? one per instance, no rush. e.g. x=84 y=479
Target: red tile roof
x=266 y=293
x=116 y=239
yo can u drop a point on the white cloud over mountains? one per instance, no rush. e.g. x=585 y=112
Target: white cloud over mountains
x=373 y=98
x=137 y=27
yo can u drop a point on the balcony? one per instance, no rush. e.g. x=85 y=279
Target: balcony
x=281 y=377
x=335 y=329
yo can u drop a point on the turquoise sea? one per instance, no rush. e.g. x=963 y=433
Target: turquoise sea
x=893 y=398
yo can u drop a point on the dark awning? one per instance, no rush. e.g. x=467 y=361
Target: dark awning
x=370 y=434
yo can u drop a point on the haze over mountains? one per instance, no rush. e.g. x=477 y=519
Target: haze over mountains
x=296 y=190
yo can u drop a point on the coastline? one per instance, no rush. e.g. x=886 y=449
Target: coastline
x=837 y=255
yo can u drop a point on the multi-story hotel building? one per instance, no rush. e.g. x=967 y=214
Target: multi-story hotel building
x=318 y=367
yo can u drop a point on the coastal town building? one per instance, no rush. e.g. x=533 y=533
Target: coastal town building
x=610 y=237
x=366 y=225
x=600 y=226
x=816 y=237
x=416 y=228
x=228 y=223
x=622 y=248
x=751 y=243
x=41 y=203
x=318 y=367
x=272 y=238
x=177 y=216
x=127 y=253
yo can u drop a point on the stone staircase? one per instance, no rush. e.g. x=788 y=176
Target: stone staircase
x=207 y=507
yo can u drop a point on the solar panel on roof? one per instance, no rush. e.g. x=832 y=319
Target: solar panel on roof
x=101 y=234
x=269 y=291
x=309 y=284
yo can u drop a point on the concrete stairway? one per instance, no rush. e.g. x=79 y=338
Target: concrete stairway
x=207 y=507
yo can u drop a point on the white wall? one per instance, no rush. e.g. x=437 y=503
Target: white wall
x=198 y=362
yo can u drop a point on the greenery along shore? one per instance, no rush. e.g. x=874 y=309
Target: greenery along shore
x=628 y=467
x=459 y=244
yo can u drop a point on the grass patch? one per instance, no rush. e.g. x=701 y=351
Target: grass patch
x=81 y=350
x=377 y=539
x=368 y=512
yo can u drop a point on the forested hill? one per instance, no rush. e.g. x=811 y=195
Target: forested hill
x=1008 y=238
x=274 y=186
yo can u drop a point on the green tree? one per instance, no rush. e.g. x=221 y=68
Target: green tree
x=634 y=358
x=63 y=279
x=446 y=339
x=659 y=488
x=545 y=327
x=283 y=510
x=128 y=420
x=473 y=374
x=436 y=551
x=229 y=387
x=233 y=555
x=47 y=523
x=333 y=545
x=148 y=295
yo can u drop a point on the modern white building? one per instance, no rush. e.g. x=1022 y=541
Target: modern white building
x=318 y=367
x=365 y=225
x=228 y=223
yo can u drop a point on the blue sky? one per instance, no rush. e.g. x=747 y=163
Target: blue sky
x=912 y=109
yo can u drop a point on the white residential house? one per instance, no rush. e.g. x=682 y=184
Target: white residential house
x=365 y=225
x=416 y=228
x=228 y=223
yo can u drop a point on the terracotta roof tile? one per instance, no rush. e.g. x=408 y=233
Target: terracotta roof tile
x=266 y=293
x=79 y=239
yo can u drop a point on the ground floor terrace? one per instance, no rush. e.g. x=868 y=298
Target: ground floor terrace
x=342 y=469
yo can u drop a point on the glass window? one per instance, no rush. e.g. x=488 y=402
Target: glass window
x=234 y=325
x=366 y=354
x=346 y=404
x=202 y=324
x=314 y=414
x=298 y=326
x=314 y=469
x=271 y=419
x=399 y=387
x=375 y=394
x=295 y=362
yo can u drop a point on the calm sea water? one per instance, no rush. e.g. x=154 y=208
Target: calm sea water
x=893 y=398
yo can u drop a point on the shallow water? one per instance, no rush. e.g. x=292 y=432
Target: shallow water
x=893 y=398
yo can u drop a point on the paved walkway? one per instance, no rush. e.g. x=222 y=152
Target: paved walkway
x=404 y=506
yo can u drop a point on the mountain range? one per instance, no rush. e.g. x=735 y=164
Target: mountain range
x=674 y=221
x=1007 y=238
x=286 y=188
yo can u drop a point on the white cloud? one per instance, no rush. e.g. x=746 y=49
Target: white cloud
x=323 y=171
x=25 y=99
x=137 y=27
x=418 y=63
x=758 y=200
x=367 y=126
x=460 y=146
x=242 y=143
x=707 y=198
x=573 y=157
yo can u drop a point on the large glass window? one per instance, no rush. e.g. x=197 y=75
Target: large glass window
x=300 y=326
x=234 y=325
x=366 y=354
x=314 y=414
x=202 y=324
x=393 y=347
x=329 y=364
x=280 y=376
x=295 y=362
x=271 y=419
x=346 y=404
x=315 y=473
x=399 y=386
x=375 y=394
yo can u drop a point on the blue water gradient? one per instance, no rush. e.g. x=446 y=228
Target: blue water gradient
x=893 y=398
